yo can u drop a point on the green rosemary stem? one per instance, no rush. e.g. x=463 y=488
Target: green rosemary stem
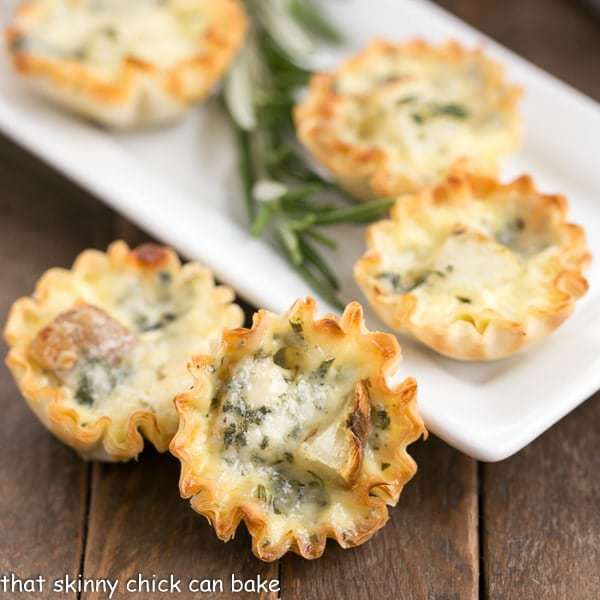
x=285 y=197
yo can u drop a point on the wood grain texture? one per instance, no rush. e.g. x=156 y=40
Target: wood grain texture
x=139 y=524
x=45 y=222
x=541 y=537
x=427 y=551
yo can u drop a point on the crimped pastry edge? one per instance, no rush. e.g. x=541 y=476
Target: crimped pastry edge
x=376 y=493
x=93 y=441
x=142 y=94
x=366 y=172
x=501 y=336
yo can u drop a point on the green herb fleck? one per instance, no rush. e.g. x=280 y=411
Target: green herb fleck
x=229 y=435
x=452 y=110
x=165 y=277
x=84 y=393
x=395 y=281
x=380 y=418
x=323 y=368
x=261 y=492
x=294 y=432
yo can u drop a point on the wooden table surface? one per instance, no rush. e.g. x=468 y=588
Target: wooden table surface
x=526 y=528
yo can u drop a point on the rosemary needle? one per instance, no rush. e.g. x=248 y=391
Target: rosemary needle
x=285 y=197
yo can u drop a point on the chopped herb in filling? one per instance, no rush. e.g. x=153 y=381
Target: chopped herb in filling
x=403 y=284
x=288 y=493
x=144 y=324
x=430 y=111
x=380 y=418
x=95 y=380
x=509 y=234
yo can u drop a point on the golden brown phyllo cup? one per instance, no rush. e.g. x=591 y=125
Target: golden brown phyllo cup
x=473 y=268
x=105 y=73
x=291 y=427
x=397 y=117
x=99 y=351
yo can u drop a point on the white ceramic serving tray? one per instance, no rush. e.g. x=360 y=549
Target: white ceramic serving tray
x=181 y=185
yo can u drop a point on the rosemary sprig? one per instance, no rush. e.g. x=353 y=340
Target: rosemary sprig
x=285 y=196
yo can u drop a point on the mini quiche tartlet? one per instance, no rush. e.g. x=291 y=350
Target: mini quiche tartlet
x=291 y=427
x=398 y=117
x=473 y=268
x=99 y=351
x=125 y=63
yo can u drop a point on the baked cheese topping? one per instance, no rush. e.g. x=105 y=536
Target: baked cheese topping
x=103 y=33
x=425 y=110
x=156 y=316
x=115 y=334
x=477 y=252
x=271 y=417
x=297 y=429
x=397 y=117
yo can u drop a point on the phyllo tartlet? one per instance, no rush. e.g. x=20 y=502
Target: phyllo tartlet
x=291 y=427
x=397 y=117
x=474 y=268
x=125 y=63
x=99 y=351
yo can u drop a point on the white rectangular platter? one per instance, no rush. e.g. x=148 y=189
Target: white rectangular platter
x=181 y=185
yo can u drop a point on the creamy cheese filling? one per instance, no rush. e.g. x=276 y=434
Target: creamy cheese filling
x=267 y=410
x=168 y=320
x=464 y=263
x=102 y=33
x=425 y=113
x=278 y=426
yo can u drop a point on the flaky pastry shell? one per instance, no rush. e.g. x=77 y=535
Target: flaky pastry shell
x=99 y=351
x=291 y=427
x=474 y=268
x=125 y=64
x=397 y=117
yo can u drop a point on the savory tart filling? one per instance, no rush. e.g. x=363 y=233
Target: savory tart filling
x=291 y=427
x=150 y=58
x=397 y=117
x=475 y=269
x=100 y=351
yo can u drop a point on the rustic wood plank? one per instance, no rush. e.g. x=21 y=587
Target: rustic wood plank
x=558 y=36
x=45 y=222
x=139 y=524
x=428 y=549
x=542 y=524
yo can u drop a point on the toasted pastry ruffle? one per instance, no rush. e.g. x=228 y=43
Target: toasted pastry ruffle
x=132 y=90
x=474 y=268
x=397 y=117
x=291 y=427
x=97 y=349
